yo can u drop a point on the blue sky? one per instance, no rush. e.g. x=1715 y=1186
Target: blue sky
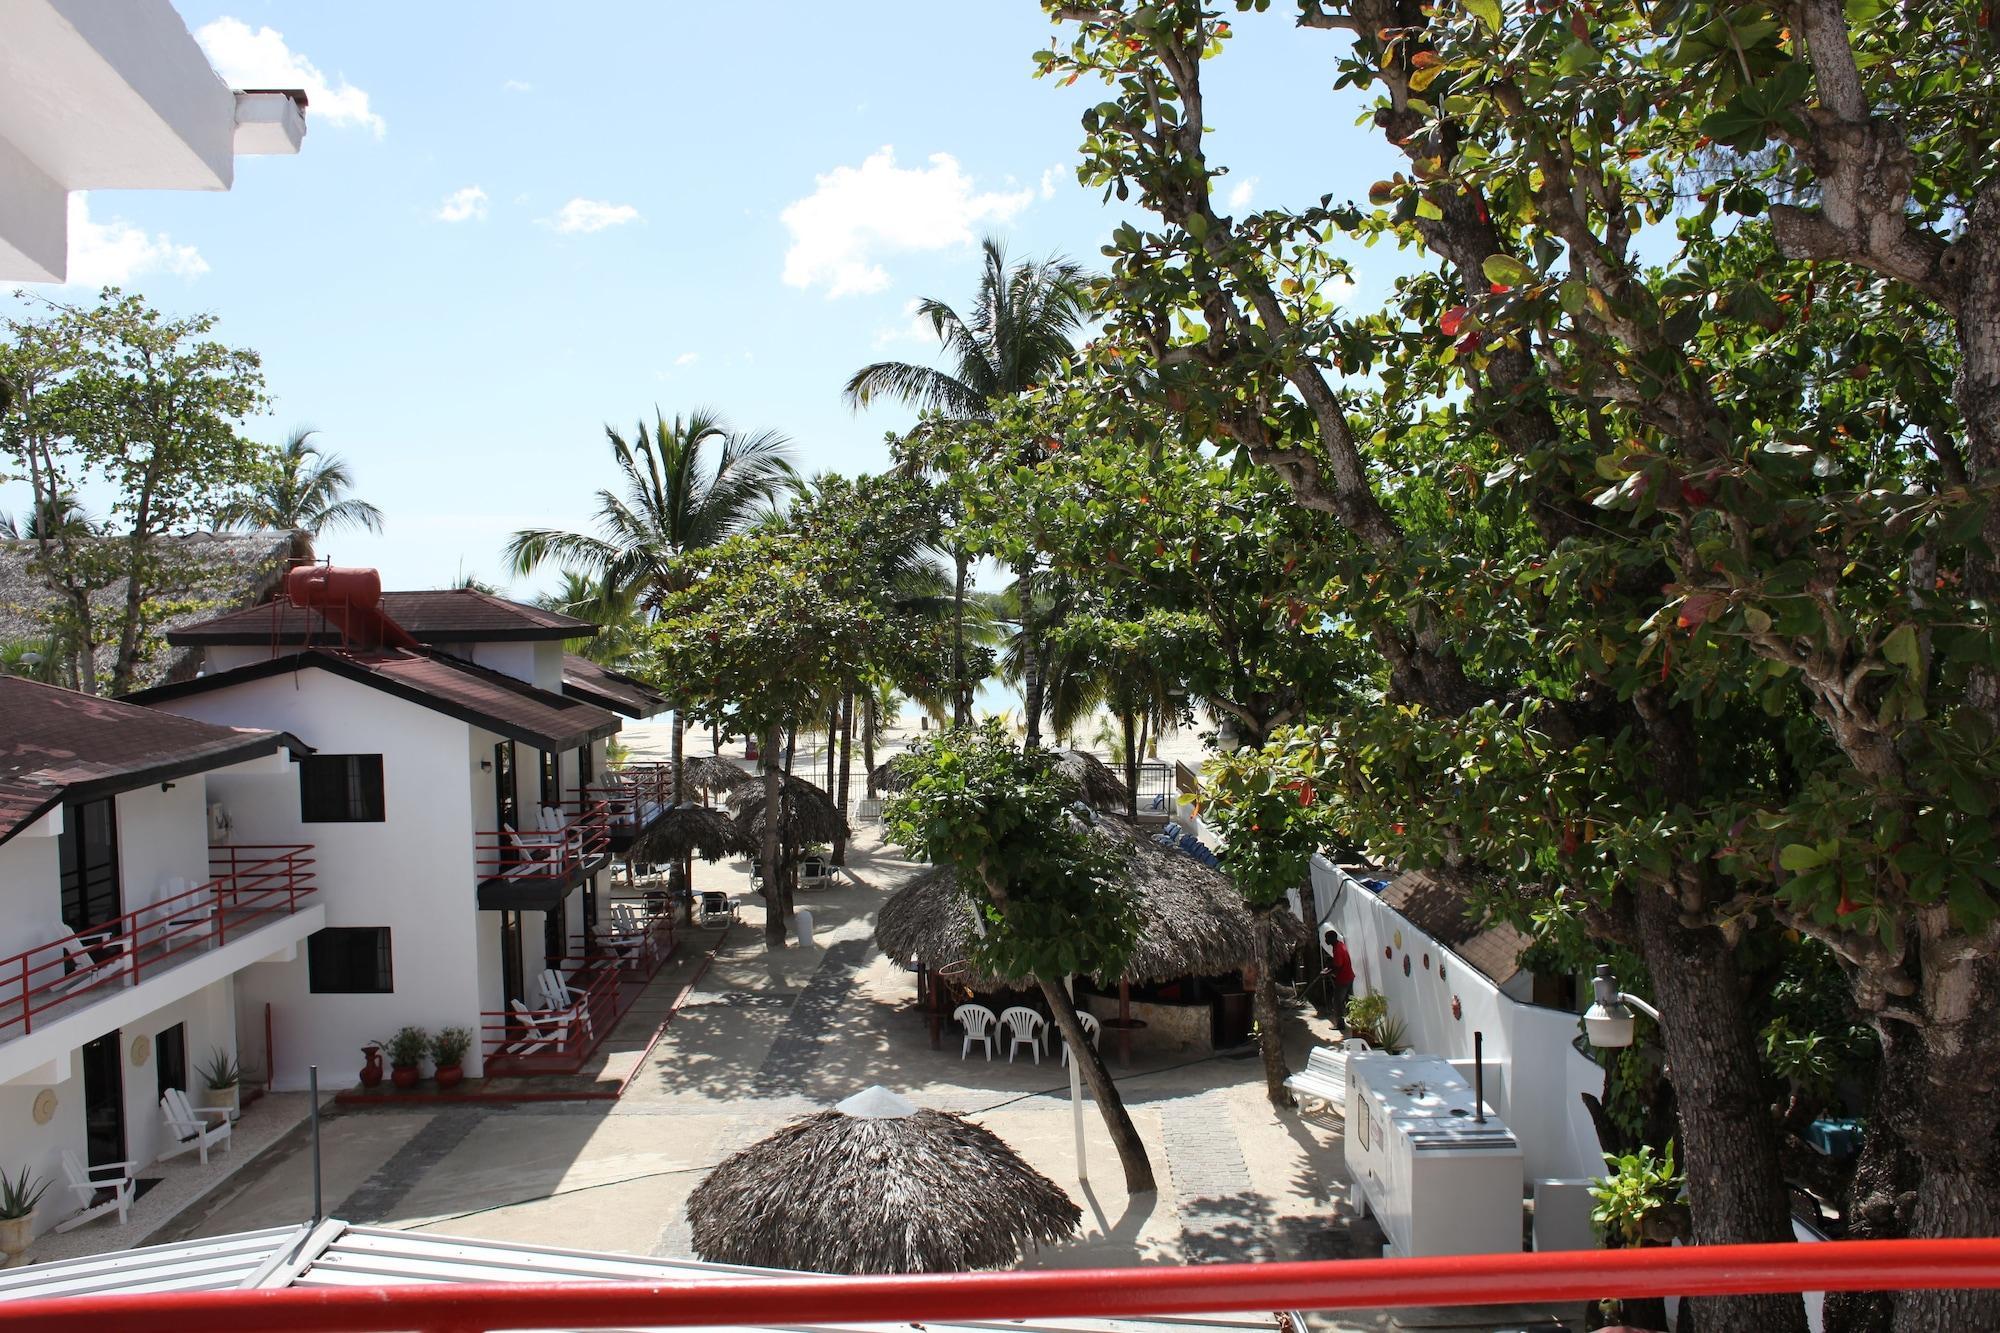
x=512 y=223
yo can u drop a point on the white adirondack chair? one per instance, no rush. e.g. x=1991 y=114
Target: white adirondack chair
x=558 y=994
x=187 y=1126
x=1024 y=1027
x=979 y=1023
x=86 y=967
x=99 y=1189
x=538 y=1031
x=1091 y=1031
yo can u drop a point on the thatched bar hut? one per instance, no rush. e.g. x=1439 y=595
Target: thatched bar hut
x=876 y=1185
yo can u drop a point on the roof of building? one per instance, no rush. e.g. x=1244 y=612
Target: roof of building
x=438 y=616
x=56 y=744
x=334 y=1253
x=596 y=683
x=200 y=574
x=448 y=685
x=1438 y=910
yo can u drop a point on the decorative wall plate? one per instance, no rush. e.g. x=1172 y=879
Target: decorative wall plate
x=142 y=1049
x=45 y=1106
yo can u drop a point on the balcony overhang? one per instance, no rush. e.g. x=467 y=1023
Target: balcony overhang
x=269 y=122
x=538 y=893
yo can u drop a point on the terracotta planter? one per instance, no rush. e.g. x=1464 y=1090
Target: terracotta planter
x=450 y=1076
x=224 y=1099
x=371 y=1073
x=405 y=1076
x=15 y=1232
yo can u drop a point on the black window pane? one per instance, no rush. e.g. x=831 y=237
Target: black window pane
x=349 y=960
x=87 y=854
x=341 y=789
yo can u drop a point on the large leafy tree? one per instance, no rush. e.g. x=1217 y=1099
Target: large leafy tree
x=306 y=490
x=1666 y=502
x=1019 y=332
x=1052 y=898
x=684 y=485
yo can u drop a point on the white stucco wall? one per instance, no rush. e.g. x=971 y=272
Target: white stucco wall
x=1542 y=1074
x=413 y=872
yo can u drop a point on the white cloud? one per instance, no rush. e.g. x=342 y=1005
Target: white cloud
x=517 y=86
x=260 y=59
x=687 y=358
x=856 y=213
x=587 y=215
x=1241 y=192
x=913 y=329
x=114 y=252
x=1049 y=182
x=467 y=205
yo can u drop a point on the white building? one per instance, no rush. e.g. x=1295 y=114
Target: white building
x=97 y=96
x=125 y=928
x=461 y=809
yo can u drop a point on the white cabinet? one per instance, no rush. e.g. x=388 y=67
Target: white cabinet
x=1438 y=1180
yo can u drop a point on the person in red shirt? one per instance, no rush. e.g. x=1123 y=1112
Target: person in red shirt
x=1340 y=967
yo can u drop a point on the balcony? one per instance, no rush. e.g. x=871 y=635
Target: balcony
x=258 y=901
x=607 y=974
x=634 y=799
x=534 y=869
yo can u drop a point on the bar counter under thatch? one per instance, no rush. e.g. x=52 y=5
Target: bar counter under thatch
x=1192 y=920
x=878 y=1186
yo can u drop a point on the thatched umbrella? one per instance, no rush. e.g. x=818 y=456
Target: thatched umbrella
x=1192 y=920
x=713 y=774
x=877 y=1186
x=810 y=815
x=690 y=830
x=1082 y=772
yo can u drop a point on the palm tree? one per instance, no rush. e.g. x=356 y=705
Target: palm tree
x=62 y=516
x=306 y=492
x=685 y=484
x=1021 y=331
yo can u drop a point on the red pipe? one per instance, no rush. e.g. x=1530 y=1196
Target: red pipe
x=1479 y=1279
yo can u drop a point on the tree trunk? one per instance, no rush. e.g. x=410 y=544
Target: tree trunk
x=846 y=762
x=868 y=742
x=776 y=926
x=1131 y=765
x=1270 y=1025
x=961 y=696
x=1031 y=655
x=1729 y=1143
x=1124 y=1134
x=680 y=739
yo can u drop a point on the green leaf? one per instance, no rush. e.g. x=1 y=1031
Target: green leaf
x=1427 y=209
x=1799 y=858
x=1757 y=619
x=1486 y=11
x=1900 y=647
x=1507 y=271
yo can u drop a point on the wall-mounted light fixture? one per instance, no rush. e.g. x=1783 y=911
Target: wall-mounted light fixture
x=166 y=786
x=486 y=766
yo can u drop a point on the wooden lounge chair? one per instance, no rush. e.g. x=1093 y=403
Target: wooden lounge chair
x=187 y=1127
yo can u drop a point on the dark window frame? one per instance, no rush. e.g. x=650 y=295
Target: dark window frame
x=551 y=774
x=506 y=800
x=348 y=969
x=86 y=879
x=357 y=794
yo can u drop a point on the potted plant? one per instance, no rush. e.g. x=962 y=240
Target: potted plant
x=448 y=1050
x=18 y=1197
x=1364 y=1018
x=220 y=1076
x=371 y=1073
x=406 y=1056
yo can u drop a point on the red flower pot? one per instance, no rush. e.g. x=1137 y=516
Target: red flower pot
x=404 y=1077
x=449 y=1076
x=371 y=1073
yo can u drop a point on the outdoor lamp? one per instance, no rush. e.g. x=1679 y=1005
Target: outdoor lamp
x=1608 y=1022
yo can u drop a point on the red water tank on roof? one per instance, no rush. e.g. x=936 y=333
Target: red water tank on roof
x=322 y=586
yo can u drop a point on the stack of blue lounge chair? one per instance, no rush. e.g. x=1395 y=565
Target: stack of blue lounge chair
x=1174 y=836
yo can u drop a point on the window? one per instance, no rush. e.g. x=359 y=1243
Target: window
x=504 y=807
x=551 y=777
x=87 y=853
x=349 y=960
x=340 y=789
x=586 y=770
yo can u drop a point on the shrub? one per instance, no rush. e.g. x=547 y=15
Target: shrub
x=408 y=1047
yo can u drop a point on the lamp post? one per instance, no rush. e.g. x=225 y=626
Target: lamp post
x=1608 y=1022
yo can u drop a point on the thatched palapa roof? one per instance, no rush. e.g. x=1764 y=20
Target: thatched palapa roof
x=690 y=830
x=1192 y=920
x=810 y=815
x=713 y=774
x=878 y=1186
x=1087 y=776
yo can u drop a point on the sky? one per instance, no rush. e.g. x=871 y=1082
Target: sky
x=514 y=223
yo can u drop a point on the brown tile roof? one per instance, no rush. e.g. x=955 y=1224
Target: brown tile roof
x=598 y=684
x=56 y=743
x=448 y=685
x=445 y=615
x=1439 y=911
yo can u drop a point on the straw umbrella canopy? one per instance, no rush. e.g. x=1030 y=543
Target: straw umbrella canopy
x=690 y=830
x=810 y=815
x=713 y=774
x=1084 y=773
x=877 y=1186
x=1192 y=920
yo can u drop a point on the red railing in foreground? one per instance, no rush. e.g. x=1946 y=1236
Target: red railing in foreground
x=248 y=884
x=1356 y=1284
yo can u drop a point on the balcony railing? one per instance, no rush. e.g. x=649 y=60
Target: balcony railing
x=623 y=957
x=529 y=856
x=250 y=886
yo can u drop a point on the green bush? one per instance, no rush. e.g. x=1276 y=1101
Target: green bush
x=1639 y=1187
x=408 y=1047
x=449 y=1046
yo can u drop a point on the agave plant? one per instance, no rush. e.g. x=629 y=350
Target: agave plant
x=19 y=1194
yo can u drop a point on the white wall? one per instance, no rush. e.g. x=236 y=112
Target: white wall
x=1542 y=1073
x=30 y=896
x=413 y=872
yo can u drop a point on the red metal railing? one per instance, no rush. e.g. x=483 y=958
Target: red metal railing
x=249 y=884
x=631 y=796
x=559 y=1039
x=532 y=855
x=789 y=1302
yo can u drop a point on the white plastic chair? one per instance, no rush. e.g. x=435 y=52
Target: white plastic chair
x=1091 y=1031
x=1024 y=1027
x=717 y=909
x=98 y=1189
x=979 y=1022
x=186 y=1127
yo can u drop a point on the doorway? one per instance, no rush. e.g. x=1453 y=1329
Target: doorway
x=88 y=855
x=104 y=1100
x=170 y=1059
x=510 y=960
